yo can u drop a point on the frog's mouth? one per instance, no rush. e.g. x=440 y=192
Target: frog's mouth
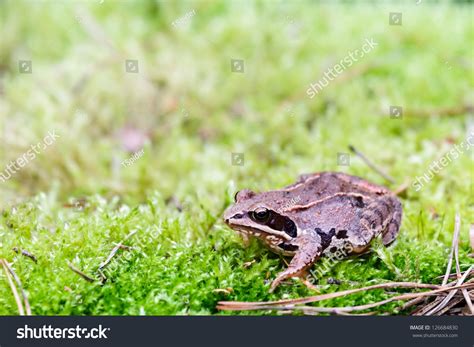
x=262 y=233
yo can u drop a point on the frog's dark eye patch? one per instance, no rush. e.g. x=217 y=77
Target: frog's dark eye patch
x=274 y=221
x=288 y=247
x=290 y=227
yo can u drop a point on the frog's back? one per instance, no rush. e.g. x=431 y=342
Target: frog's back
x=323 y=185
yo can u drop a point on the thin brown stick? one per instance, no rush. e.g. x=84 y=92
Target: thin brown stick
x=125 y=247
x=457 y=229
x=20 y=286
x=80 y=273
x=115 y=250
x=25 y=253
x=29 y=255
x=357 y=314
x=449 y=306
x=452 y=275
x=421 y=311
x=337 y=310
x=401 y=188
x=450 y=295
x=439 y=112
x=471 y=236
x=413 y=302
x=21 y=310
x=316 y=298
x=372 y=165
x=455 y=251
x=453 y=247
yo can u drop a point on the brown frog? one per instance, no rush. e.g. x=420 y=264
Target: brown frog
x=317 y=216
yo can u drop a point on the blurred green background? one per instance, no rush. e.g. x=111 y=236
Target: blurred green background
x=188 y=111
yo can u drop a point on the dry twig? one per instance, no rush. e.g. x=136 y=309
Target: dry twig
x=11 y=274
x=471 y=239
x=453 y=247
x=457 y=229
x=115 y=250
x=80 y=273
x=26 y=254
x=372 y=165
x=445 y=301
x=439 y=112
x=21 y=310
x=329 y=295
x=337 y=310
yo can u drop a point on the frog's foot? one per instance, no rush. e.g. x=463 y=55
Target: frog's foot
x=303 y=277
x=309 y=250
x=309 y=285
x=283 y=276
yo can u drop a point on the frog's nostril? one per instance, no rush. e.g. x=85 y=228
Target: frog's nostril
x=237 y=216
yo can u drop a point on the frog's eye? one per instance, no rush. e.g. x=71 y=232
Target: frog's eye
x=260 y=215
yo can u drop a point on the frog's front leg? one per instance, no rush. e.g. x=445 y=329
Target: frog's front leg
x=309 y=250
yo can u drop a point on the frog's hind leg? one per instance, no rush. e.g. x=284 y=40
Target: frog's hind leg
x=391 y=231
x=309 y=250
x=382 y=216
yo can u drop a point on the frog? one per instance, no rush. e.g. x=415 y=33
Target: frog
x=319 y=215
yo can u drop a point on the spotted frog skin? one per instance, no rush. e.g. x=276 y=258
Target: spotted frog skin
x=318 y=215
